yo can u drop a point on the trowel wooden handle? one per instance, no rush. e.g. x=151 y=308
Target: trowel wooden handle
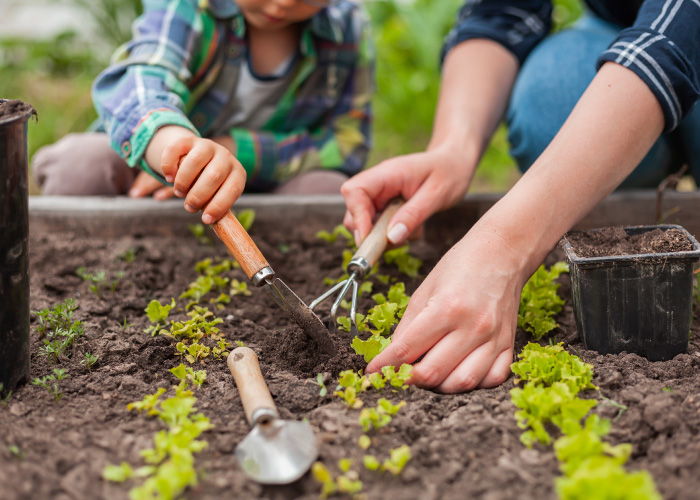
x=240 y=244
x=252 y=388
x=376 y=241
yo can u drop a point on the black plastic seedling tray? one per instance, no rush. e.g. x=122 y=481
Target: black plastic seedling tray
x=635 y=303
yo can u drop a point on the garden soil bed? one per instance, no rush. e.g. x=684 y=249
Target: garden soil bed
x=463 y=446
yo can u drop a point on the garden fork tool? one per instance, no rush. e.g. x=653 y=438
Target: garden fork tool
x=275 y=451
x=254 y=264
x=359 y=266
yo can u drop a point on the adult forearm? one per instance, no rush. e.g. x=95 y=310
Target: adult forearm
x=477 y=79
x=609 y=132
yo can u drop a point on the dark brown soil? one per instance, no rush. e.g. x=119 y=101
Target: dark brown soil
x=612 y=241
x=464 y=446
x=13 y=107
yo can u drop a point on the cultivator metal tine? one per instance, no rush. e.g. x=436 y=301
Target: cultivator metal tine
x=344 y=286
x=353 y=308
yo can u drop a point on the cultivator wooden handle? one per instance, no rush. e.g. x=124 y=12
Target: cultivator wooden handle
x=240 y=244
x=252 y=388
x=376 y=241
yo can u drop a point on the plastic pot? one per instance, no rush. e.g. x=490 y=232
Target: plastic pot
x=638 y=303
x=14 y=255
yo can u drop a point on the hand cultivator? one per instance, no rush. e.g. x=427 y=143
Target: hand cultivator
x=256 y=267
x=360 y=265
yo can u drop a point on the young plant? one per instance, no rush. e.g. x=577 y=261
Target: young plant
x=51 y=383
x=186 y=375
x=199 y=232
x=375 y=418
x=4 y=399
x=128 y=255
x=158 y=315
x=221 y=350
x=347 y=483
x=201 y=324
x=124 y=325
x=399 y=378
x=246 y=218
x=58 y=329
x=319 y=382
x=193 y=352
x=552 y=363
x=396 y=295
x=339 y=230
x=404 y=261
x=96 y=280
x=16 y=452
x=539 y=302
x=89 y=360
x=399 y=457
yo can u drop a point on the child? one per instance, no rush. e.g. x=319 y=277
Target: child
x=209 y=93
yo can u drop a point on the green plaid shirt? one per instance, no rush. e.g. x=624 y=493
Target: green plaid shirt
x=182 y=68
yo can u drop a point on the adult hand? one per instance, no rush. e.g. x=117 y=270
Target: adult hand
x=145 y=185
x=429 y=181
x=462 y=318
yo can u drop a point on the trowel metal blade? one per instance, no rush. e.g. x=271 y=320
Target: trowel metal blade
x=278 y=452
x=301 y=314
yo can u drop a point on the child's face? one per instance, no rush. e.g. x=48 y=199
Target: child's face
x=273 y=15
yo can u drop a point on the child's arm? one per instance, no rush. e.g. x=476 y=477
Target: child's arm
x=342 y=142
x=147 y=87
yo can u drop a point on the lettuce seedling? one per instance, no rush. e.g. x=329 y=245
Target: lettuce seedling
x=380 y=416
x=158 y=315
x=371 y=462
x=51 y=383
x=221 y=349
x=322 y=475
x=377 y=380
x=148 y=404
x=192 y=352
x=339 y=230
x=118 y=473
x=396 y=295
x=539 y=301
x=246 y=218
x=201 y=324
x=370 y=348
x=399 y=378
x=552 y=363
x=187 y=375
x=348 y=482
x=364 y=442
x=405 y=262
x=128 y=255
x=319 y=382
x=240 y=288
x=399 y=458
x=199 y=232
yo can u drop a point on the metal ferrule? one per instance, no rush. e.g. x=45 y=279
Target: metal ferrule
x=360 y=266
x=261 y=276
x=263 y=416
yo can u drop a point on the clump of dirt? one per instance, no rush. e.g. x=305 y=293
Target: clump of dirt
x=14 y=107
x=614 y=241
x=463 y=446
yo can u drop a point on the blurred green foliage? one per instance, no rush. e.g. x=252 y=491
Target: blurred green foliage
x=55 y=75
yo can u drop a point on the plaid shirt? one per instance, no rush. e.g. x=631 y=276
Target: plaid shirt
x=182 y=68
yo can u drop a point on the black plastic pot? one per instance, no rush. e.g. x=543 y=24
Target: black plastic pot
x=635 y=303
x=14 y=254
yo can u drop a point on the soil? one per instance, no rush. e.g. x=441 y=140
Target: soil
x=463 y=446
x=10 y=108
x=614 y=241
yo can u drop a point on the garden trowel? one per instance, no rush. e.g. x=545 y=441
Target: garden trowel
x=254 y=264
x=275 y=451
x=360 y=265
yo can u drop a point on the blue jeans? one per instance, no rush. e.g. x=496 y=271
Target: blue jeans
x=551 y=81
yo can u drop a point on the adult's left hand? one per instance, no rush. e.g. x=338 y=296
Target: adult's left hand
x=462 y=318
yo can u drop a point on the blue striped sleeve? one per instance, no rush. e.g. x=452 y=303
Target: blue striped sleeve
x=663 y=49
x=517 y=25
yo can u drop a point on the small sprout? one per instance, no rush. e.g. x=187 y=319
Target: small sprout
x=193 y=352
x=373 y=418
x=128 y=255
x=148 y=404
x=51 y=383
x=118 y=473
x=89 y=360
x=399 y=458
x=199 y=233
x=96 y=280
x=321 y=384
x=240 y=288
x=339 y=230
x=115 y=281
x=124 y=325
x=349 y=483
x=667 y=389
x=187 y=375
x=322 y=475
x=221 y=349
x=371 y=462
x=377 y=380
x=344 y=464
x=246 y=218
x=58 y=329
x=539 y=301
x=6 y=398
x=283 y=248
x=364 y=442
x=398 y=379
x=239 y=343
x=16 y=452
x=349 y=396
x=405 y=262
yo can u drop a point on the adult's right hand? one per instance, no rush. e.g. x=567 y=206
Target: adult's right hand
x=429 y=182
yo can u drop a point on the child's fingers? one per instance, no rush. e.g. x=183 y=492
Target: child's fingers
x=190 y=167
x=170 y=157
x=209 y=181
x=226 y=196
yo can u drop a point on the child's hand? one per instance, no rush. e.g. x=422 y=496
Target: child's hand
x=203 y=172
x=146 y=185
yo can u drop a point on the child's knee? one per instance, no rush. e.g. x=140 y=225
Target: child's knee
x=81 y=165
